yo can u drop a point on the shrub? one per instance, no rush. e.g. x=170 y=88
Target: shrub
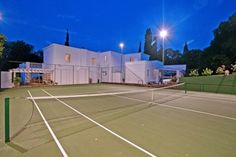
x=226 y=72
x=17 y=81
x=174 y=79
x=223 y=67
x=207 y=72
x=194 y=72
x=233 y=67
x=220 y=70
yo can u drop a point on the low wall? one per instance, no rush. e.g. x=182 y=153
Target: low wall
x=6 y=79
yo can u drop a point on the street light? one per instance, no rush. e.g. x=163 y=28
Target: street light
x=163 y=35
x=121 y=45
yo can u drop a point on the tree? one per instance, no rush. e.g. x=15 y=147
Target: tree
x=172 y=56
x=186 y=50
x=148 y=42
x=150 y=45
x=186 y=53
x=39 y=54
x=67 y=43
x=140 y=47
x=2 y=42
x=17 y=52
x=194 y=60
x=159 y=53
x=2 y=46
x=222 y=49
x=154 y=49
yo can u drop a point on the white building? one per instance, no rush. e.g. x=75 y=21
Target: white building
x=68 y=65
x=77 y=66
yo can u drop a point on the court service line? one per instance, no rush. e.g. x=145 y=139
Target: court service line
x=181 y=108
x=100 y=125
x=49 y=128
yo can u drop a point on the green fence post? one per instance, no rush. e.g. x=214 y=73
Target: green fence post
x=7 y=120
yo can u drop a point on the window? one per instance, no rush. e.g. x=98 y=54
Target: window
x=93 y=61
x=131 y=59
x=67 y=58
x=105 y=59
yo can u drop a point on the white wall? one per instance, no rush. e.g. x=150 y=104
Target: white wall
x=116 y=77
x=67 y=72
x=105 y=62
x=6 y=80
x=142 y=71
x=55 y=54
x=132 y=57
x=81 y=75
x=64 y=74
x=151 y=66
x=135 y=72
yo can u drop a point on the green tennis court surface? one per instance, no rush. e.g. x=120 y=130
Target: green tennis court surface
x=118 y=121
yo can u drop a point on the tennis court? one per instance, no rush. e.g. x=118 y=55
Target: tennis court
x=118 y=121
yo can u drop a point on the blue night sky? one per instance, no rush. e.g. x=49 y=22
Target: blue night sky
x=102 y=25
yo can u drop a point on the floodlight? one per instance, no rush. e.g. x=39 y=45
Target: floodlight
x=122 y=45
x=163 y=33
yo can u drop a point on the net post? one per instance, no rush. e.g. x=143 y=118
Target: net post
x=185 y=88
x=7 y=120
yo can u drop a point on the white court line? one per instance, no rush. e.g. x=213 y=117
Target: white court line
x=49 y=128
x=100 y=125
x=180 y=108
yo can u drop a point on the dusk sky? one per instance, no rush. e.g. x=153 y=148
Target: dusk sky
x=102 y=25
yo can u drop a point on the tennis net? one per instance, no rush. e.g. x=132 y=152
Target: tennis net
x=161 y=94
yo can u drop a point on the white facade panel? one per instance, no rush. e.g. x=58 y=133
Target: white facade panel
x=142 y=72
x=135 y=72
x=81 y=75
x=6 y=80
x=116 y=78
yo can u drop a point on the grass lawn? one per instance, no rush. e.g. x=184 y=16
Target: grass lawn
x=215 y=83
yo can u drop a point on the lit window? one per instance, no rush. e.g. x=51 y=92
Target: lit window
x=131 y=59
x=105 y=59
x=67 y=58
x=93 y=61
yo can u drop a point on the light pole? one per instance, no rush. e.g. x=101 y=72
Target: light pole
x=163 y=35
x=121 y=45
